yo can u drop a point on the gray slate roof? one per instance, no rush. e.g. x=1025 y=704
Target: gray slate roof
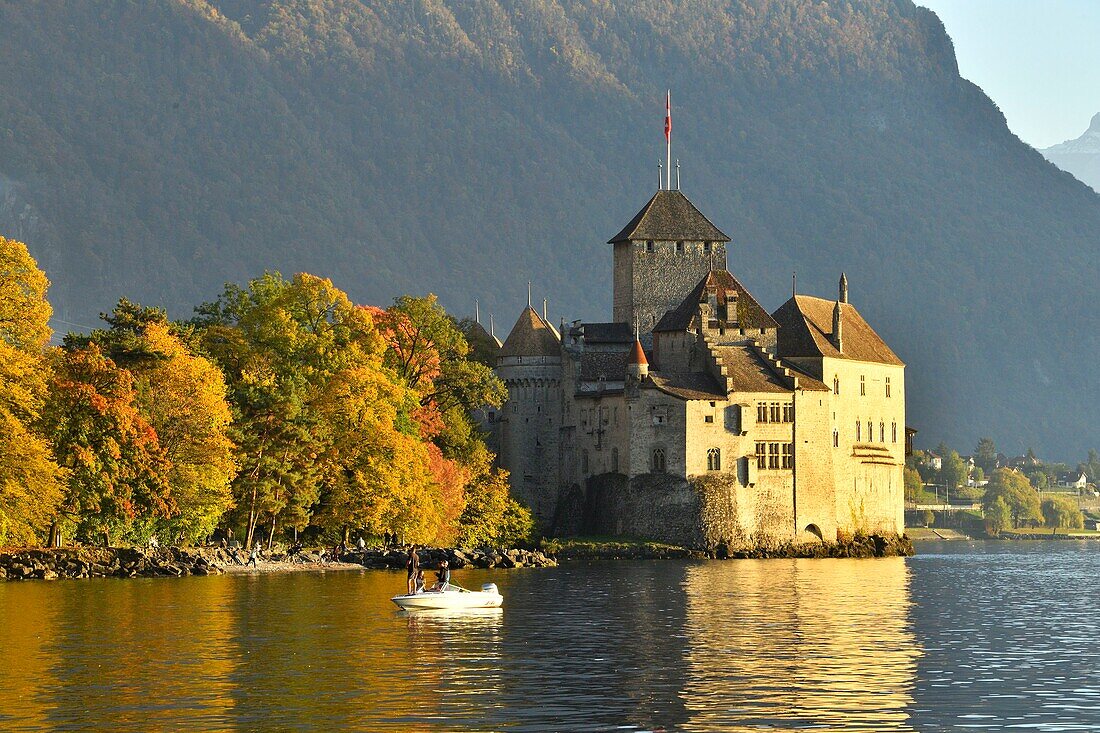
x=668 y=217
x=608 y=333
x=750 y=314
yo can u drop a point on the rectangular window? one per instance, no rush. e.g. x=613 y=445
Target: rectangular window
x=761 y=455
x=708 y=418
x=888 y=386
x=649 y=246
x=859 y=428
x=788 y=455
x=774 y=413
x=882 y=432
x=679 y=248
x=706 y=247
x=870 y=432
x=862 y=386
x=762 y=412
x=788 y=412
x=773 y=455
x=836 y=438
x=893 y=432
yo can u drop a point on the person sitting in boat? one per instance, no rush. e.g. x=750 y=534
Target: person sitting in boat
x=418 y=582
x=442 y=576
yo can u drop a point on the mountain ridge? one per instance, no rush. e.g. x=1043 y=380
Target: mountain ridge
x=465 y=148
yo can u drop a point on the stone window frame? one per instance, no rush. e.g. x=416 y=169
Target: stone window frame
x=788 y=456
x=836 y=384
x=762 y=412
x=650 y=246
x=859 y=430
x=862 y=385
x=870 y=431
x=788 y=412
x=836 y=438
x=888 y=387
x=658 y=460
x=881 y=431
x=773 y=456
x=894 y=431
x=714 y=459
x=774 y=412
x=761 y=455
x=708 y=247
x=680 y=247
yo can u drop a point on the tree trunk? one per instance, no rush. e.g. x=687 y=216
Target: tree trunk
x=251 y=521
x=271 y=535
x=55 y=536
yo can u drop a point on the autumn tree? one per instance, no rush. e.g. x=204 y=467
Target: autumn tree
x=492 y=517
x=183 y=397
x=278 y=342
x=378 y=474
x=30 y=480
x=118 y=473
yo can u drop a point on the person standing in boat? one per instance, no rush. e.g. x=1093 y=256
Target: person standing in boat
x=412 y=565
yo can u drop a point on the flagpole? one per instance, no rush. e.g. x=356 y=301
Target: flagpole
x=668 y=138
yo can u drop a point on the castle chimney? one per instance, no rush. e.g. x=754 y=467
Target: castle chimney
x=843 y=288
x=838 y=336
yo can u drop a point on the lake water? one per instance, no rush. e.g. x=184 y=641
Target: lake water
x=973 y=637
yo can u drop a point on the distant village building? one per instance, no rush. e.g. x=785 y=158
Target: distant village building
x=695 y=416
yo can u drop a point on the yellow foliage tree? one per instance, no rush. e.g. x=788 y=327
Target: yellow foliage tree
x=183 y=396
x=378 y=470
x=30 y=481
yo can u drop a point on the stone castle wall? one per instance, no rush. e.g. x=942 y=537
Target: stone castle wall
x=647 y=284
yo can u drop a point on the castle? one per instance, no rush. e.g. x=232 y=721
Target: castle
x=696 y=417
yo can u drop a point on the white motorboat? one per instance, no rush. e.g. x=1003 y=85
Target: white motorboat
x=451 y=597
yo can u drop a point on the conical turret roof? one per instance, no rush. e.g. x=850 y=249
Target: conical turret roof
x=531 y=336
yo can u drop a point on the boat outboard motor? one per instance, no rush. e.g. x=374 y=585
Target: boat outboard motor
x=489 y=588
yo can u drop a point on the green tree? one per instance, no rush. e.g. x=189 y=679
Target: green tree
x=1016 y=492
x=998 y=516
x=913 y=486
x=1062 y=512
x=985 y=455
x=1039 y=480
x=953 y=472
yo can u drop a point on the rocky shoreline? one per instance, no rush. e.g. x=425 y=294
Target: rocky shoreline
x=132 y=562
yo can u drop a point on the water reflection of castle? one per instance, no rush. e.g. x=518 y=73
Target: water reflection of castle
x=821 y=644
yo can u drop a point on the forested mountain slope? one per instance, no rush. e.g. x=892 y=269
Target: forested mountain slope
x=155 y=150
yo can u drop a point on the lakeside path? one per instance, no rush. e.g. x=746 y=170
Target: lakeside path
x=266 y=567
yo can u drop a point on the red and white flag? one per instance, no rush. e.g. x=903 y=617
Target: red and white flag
x=668 y=116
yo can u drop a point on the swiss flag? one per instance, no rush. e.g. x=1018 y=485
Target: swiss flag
x=668 y=116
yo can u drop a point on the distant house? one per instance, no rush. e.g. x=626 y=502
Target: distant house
x=1093 y=524
x=933 y=460
x=1073 y=480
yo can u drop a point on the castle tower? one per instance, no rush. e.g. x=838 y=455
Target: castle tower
x=530 y=364
x=660 y=256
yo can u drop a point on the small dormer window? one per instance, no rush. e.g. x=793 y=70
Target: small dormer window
x=679 y=248
x=707 y=247
x=649 y=246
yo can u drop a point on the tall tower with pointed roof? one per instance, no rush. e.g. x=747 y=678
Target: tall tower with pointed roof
x=529 y=363
x=665 y=250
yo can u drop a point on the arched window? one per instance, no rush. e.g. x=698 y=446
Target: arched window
x=882 y=432
x=658 y=460
x=836 y=385
x=836 y=438
x=714 y=459
x=859 y=428
x=870 y=432
x=893 y=432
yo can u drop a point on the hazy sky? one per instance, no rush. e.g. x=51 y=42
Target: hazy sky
x=1039 y=60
